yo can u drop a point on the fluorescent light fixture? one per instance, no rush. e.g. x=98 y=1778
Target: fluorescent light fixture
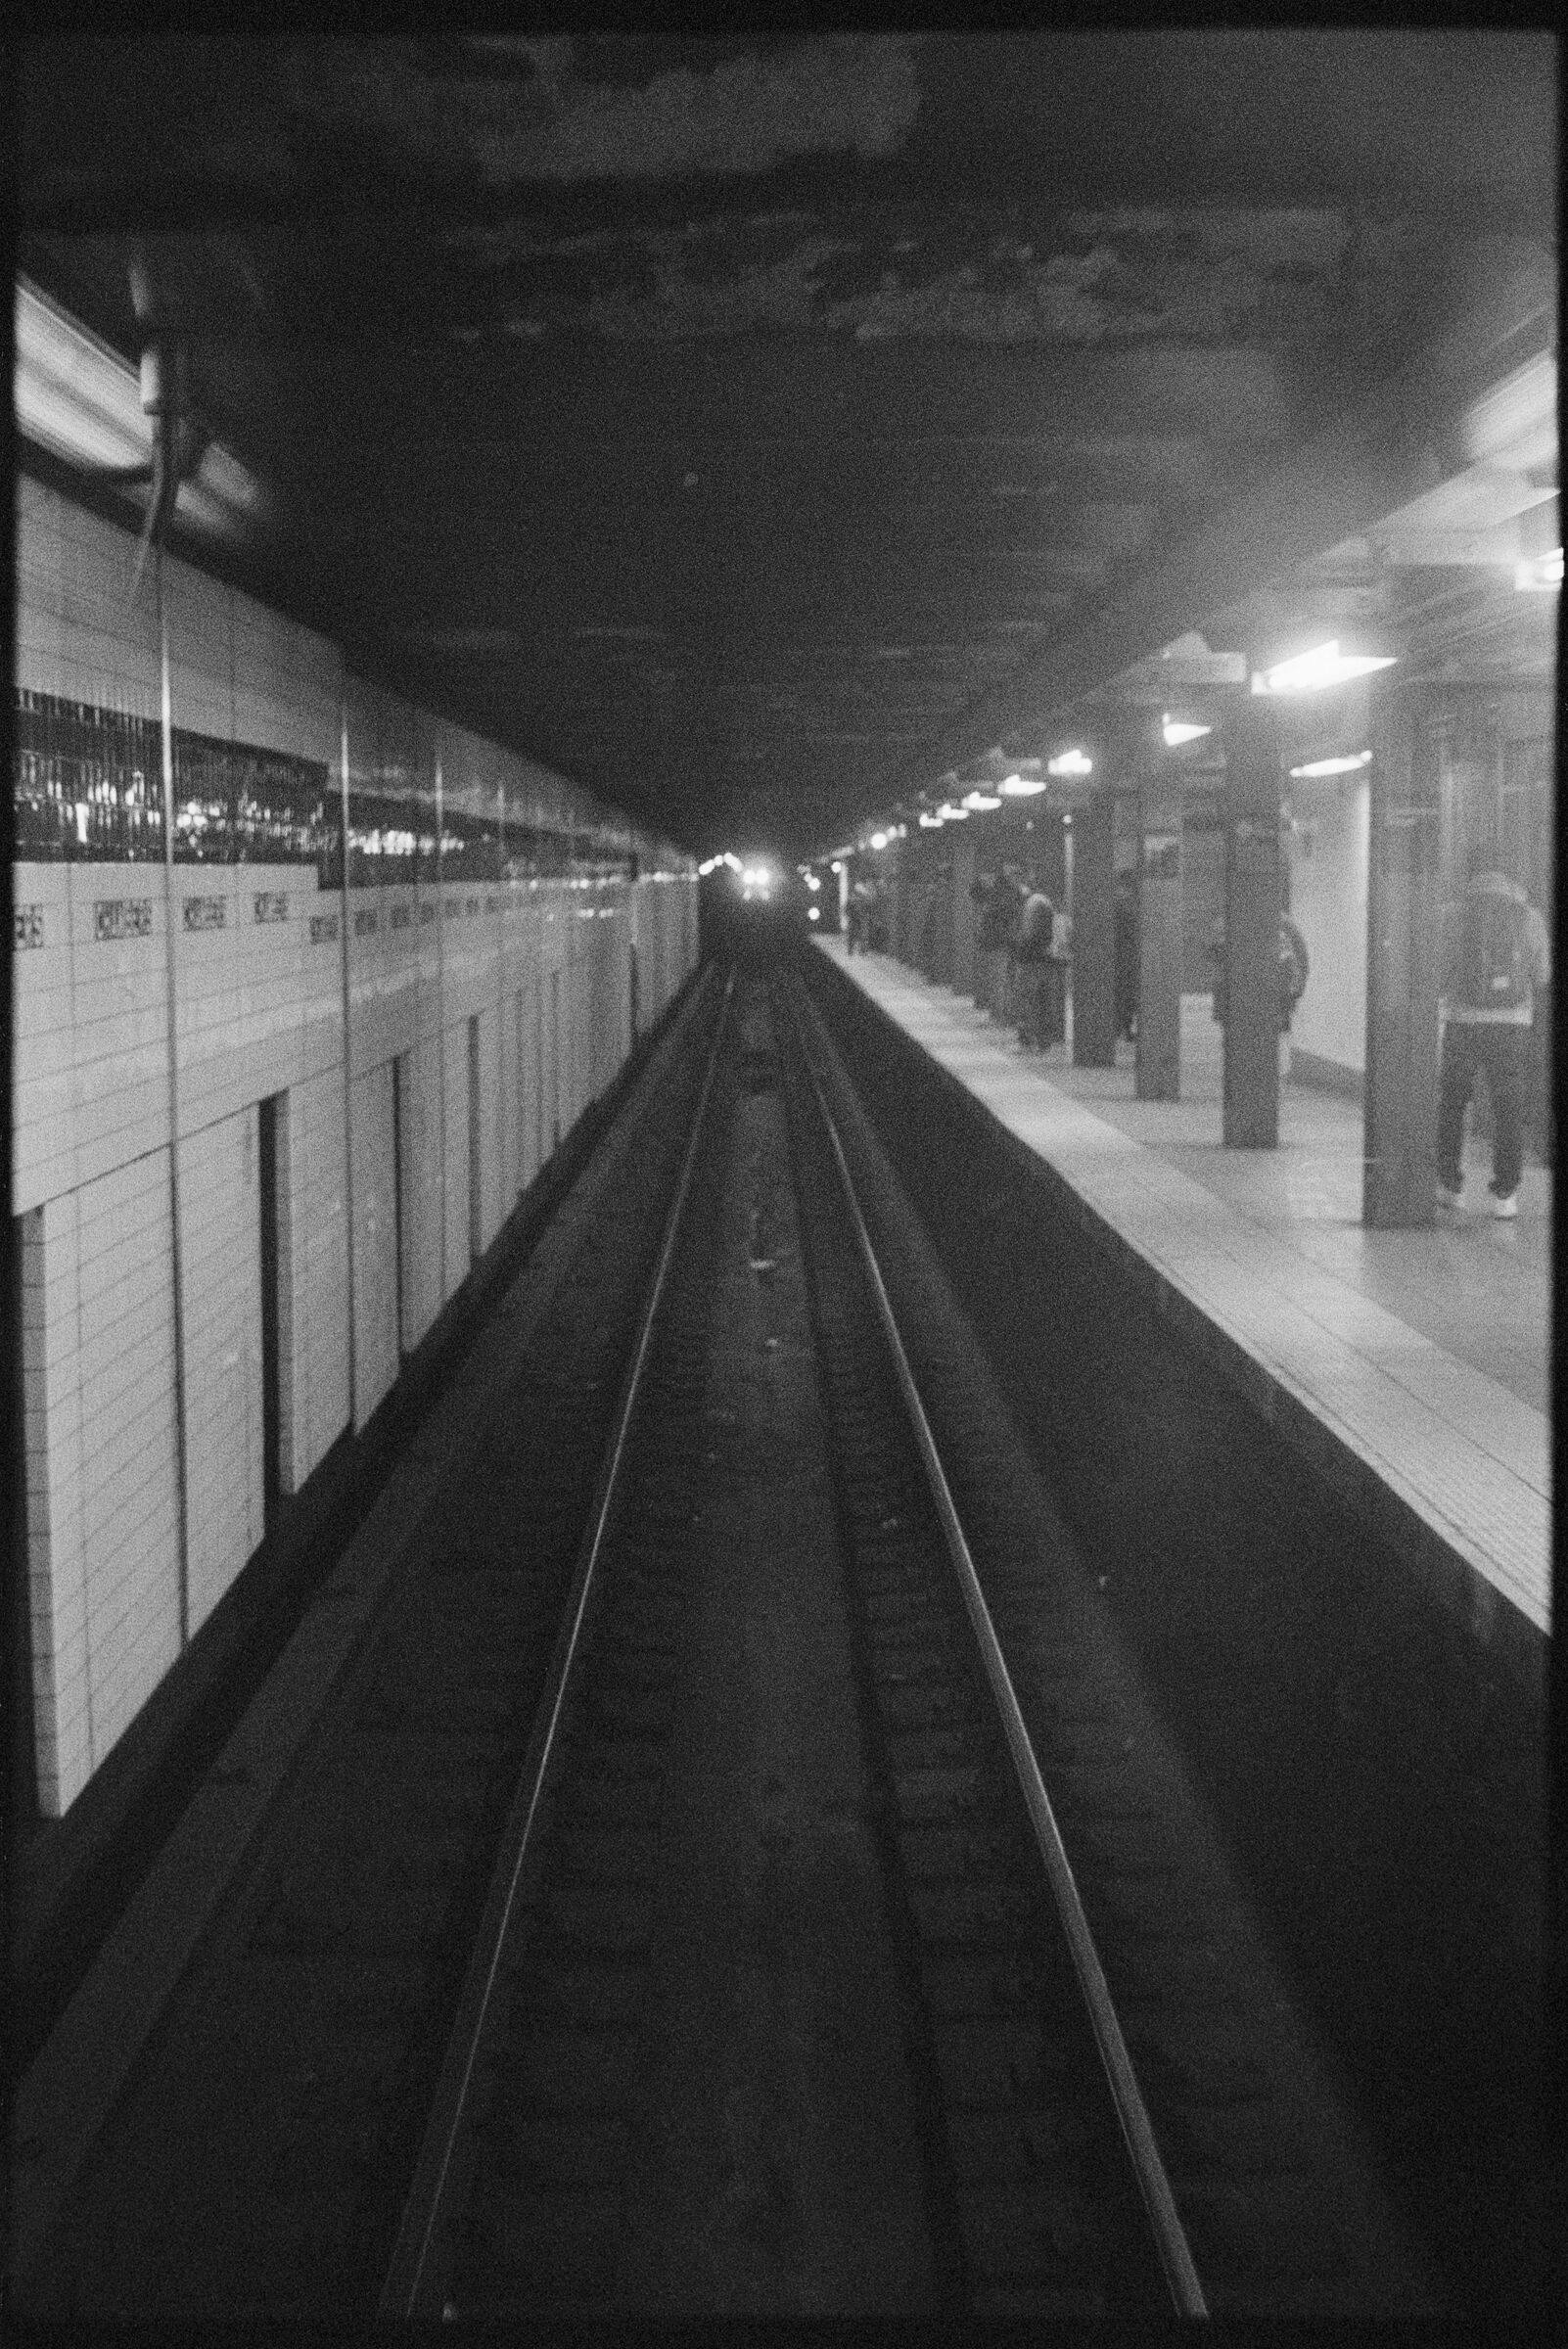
x=1020 y=787
x=1180 y=730
x=813 y=882
x=812 y=913
x=952 y=816
x=929 y=823
x=836 y=867
x=978 y=801
x=82 y=401
x=1335 y=767
x=879 y=840
x=1070 y=763
x=1324 y=664
x=1541 y=573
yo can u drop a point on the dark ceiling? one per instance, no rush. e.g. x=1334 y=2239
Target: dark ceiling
x=721 y=421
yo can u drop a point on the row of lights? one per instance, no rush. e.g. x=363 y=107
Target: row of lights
x=1308 y=672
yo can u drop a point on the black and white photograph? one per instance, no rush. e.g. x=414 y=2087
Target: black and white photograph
x=781 y=1181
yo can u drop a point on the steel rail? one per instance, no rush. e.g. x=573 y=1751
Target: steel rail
x=1175 y=2256
x=407 y=2279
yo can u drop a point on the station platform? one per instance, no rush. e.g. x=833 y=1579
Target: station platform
x=1416 y=1363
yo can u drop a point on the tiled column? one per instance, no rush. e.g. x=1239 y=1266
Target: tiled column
x=1093 y=934
x=1252 y=902
x=965 y=865
x=1160 y=956
x=1399 y=1178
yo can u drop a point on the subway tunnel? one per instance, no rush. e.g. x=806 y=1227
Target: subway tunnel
x=782 y=1178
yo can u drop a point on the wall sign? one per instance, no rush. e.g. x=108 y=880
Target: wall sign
x=271 y=906
x=366 y=921
x=206 y=913
x=323 y=928
x=122 y=917
x=30 y=925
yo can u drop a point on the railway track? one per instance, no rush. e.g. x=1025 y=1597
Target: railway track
x=666 y=1919
x=543 y=2179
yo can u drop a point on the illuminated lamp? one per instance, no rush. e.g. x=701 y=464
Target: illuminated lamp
x=1070 y=763
x=1180 y=730
x=952 y=816
x=1020 y=787
x=979 y=800
x=80 y=399
x=1324 y=664
x=1334 y=766
x=1542 y=572
x=929 y=823
x=812 y=914
x=879 y=840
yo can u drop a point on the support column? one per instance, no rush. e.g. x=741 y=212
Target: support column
x=1254 y=899
x=1399 y=1173
x=1160 y=956
x=1093 y=913
x=965 y=865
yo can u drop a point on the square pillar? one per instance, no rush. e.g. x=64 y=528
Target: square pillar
x=1159 y=956
x=1399 y=1146
x=965 y=864
x=1254 y=901
x=1093 y=913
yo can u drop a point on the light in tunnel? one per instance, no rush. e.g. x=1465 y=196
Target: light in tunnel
x=1020 y=787
x=981 y=801
x=1539 y=572
x=1070 y=763
x=1180 y=730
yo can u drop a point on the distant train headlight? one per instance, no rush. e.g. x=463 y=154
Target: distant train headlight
x=812 y=914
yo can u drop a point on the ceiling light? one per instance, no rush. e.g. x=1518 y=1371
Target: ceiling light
x=981 y=799
x=81 y=400
x=1020 y=787
x=812 y=914
x=1180 y=730
x=879 y=840
x=1070 y=763
x=1541 y=572
x=1334 y=766
x=950 y=814
x=929 y=823
x=1324 y=664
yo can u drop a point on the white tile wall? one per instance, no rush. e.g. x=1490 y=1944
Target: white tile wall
x=260 y=1012
x=424 y=1286
x=375 y=1242
x=123 y=1366
x=220 y=1236
x=315 y=1369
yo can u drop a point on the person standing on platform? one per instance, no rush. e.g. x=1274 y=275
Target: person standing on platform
x=1497 y=953
x=861 y=917
x=993 y=895
x=1292 y=964
x=1037 y=926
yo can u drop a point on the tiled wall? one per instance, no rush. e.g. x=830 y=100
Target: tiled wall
x=259 y=953
x=220 y=1268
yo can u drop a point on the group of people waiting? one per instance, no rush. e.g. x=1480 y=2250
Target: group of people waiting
x=1023 y=945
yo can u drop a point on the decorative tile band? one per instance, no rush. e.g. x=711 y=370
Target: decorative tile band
x=206 y=913
x=122 y=917
x=271 y=906
x=323 y=928
x=30 y=925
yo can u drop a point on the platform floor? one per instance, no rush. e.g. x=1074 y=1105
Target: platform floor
x=1425 y=1352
